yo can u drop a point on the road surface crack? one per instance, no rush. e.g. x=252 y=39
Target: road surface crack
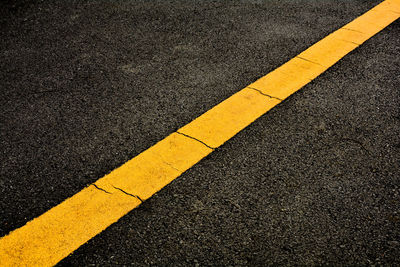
x=213 y=148
x=310 y=61
x=169 y=164
x=355 y=141
x=101 y=189
x=132 y=195
x=264 y=94
x=352 y=30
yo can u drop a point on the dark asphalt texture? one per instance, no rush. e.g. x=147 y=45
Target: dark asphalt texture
x=85 y=86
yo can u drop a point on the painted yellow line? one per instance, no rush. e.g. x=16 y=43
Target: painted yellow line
x=52 y=236
x=225 y=120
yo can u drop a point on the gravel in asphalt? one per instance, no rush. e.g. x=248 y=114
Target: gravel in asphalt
x=88 y=85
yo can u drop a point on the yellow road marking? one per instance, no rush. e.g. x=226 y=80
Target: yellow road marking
x=220 y=123
x=328 y=51
x=391 y=6
x=54 y=235
x=373 y=21
x=154 y=168
x=280 y=84
x=352 y=36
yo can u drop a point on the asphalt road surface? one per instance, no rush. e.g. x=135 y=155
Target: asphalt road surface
x=87 y=85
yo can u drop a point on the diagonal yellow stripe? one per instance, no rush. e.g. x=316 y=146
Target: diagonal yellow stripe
x=54 y=235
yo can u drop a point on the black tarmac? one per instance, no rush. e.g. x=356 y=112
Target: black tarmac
x=87 y=85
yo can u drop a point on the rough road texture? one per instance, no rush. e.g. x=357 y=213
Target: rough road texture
x=86 y=86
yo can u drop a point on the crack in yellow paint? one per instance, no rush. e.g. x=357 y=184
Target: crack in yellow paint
x=52 y=236
x=223 y=121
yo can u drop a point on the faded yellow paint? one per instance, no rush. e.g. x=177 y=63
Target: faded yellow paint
x=223 y=121
x=52 y=236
